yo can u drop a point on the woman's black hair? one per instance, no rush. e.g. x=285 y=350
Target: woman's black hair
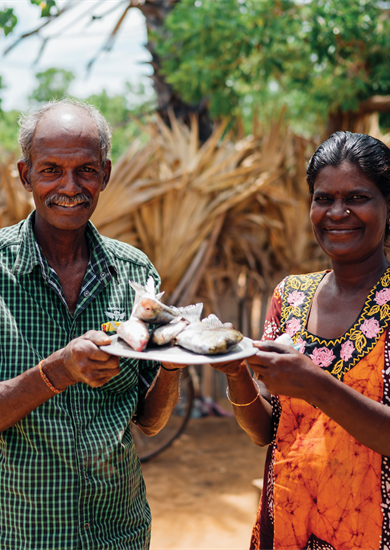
x=370 y=155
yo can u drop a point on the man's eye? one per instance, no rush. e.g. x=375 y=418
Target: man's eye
x=50 y=170
x=87 y=169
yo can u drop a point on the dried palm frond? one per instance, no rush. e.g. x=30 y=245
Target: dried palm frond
x=15 y=202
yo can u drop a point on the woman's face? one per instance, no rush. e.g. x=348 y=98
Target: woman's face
x=348 y=214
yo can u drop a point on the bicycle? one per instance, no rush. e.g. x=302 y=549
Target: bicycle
x=149 y=447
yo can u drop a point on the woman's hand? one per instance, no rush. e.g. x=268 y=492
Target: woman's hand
x=285 y=371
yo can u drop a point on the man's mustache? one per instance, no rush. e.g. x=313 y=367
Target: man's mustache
x=64 y=200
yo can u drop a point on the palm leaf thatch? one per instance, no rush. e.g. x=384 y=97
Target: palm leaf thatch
x=222 y=222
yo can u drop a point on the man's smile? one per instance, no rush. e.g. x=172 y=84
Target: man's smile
x=62 y=201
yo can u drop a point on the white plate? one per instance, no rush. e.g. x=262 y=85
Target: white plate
x=179 y=355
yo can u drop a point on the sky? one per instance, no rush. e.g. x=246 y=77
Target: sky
x=74 y=41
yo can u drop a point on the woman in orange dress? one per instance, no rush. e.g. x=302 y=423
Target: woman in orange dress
x=324 y=406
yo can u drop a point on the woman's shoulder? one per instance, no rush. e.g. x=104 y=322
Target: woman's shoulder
x=300 y=283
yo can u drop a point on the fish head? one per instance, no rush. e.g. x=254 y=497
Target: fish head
x=148 y=310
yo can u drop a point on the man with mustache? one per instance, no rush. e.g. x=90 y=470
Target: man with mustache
x=69 y=474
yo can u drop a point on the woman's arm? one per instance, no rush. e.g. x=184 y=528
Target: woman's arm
x=252 y=411
x=255 y=418
x=284 y=371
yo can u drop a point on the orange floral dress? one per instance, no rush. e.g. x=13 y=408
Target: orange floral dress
x=322 y=488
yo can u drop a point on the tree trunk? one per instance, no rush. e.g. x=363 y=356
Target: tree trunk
x=155 y=12
x=357 y=121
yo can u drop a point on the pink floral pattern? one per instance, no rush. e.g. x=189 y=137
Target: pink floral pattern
x=347 y=350
x=302 y=345
x=343 y=352
x=322 y=357
x=293 y=326
x=296 y=298
x=370 y=327
x=382 y=296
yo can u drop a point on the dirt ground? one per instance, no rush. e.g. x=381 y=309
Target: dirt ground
x=200 y=489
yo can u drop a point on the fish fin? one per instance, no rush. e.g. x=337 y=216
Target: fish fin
x=139 y=289
x=191 y=313
x=149 y=287
x=212 y=321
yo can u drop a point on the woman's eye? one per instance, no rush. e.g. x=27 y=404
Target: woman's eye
x=358 y=197
x=322 y=198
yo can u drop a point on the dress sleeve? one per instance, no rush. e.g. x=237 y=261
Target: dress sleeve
x=272 y=320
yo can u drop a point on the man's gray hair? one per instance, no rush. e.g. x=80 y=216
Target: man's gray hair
x=29 y=121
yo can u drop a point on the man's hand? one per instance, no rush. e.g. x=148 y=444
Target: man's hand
x=172 y=366
x=82 y=361
x=230 y=368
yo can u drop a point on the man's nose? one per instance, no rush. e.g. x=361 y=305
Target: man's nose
x=69 y=183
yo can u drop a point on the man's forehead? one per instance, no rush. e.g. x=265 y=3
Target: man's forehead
x=65 y=120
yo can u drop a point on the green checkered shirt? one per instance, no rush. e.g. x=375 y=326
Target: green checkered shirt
x=70 y=477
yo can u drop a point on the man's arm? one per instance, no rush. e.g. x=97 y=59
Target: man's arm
x=154 y=411
x=80 y=361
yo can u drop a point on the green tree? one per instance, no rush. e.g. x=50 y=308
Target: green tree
x=9 y=132
x=52 y=84
x=120 y=110
x=322 y=57
x=8 y=19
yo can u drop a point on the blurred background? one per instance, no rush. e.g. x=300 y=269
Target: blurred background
x=216 y=106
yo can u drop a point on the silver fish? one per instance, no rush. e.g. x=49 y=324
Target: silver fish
x=166 y=333
x=147 y=306
x=209 y=337
x=135 y=333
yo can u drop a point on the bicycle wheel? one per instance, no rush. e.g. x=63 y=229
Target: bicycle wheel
x=148 y=447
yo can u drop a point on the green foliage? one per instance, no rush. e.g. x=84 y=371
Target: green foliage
x=316 y=55
x=120 y=111
x=52 y=84
x=46 y=7
x=8 y=20
x=9 y=129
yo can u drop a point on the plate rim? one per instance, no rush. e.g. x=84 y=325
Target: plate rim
x=198 y=358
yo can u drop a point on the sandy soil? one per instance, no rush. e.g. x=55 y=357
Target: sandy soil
x=200 y=490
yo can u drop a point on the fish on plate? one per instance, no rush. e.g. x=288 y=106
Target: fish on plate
x=209 y=336
x=165 y=334
x=148 y=307
x=135 y=333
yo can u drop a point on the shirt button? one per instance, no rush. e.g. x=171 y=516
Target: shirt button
x=102 y=275
x=86 y=525
x=86 y=293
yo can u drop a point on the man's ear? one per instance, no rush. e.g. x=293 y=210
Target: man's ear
x=107 y=174
x=24 y=170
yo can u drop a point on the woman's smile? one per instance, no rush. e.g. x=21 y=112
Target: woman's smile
x=348 y=214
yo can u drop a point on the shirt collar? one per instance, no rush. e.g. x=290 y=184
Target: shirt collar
x=29 y=254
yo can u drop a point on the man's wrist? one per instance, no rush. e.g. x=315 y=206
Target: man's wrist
x=238 y=371
x=170 y=367
x=54 y=370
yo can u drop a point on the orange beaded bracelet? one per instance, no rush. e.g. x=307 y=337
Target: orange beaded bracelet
x=46 y=380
